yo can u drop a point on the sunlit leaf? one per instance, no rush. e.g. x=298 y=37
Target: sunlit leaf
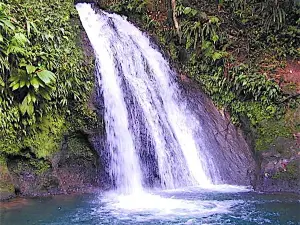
x=16 y=86
x=30 y=69
x=35 y=82
x=46 y=76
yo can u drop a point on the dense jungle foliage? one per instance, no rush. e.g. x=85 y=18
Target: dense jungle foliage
x=45 y=80
x=234 y=49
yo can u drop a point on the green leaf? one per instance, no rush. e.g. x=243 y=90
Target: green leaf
x=28 y=98
x=194 y=12
x=15 y=86
x=23 y=107
x=28 y=83
x=14 y=78
x=187 y=10
x=8 y=24
x=33 y=97
x=2 y=82
x=45 y=94
x=46 y=76
x=34 y=27
x=30 y=109
x=217 y=55
x=30 y=69
x=215 y=38
x=214 y=19
x=35 y=82
x=22 y=83
x=27 y=105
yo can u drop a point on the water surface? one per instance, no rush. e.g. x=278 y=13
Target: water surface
x=186 y=206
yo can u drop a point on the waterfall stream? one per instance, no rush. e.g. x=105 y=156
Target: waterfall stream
x=168 y=155
x=149 y=128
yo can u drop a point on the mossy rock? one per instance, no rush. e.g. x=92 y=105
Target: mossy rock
x=76 y=150
x=7 y=189
x=278 y=133
x=270 y=130
x=33 y=177
x=77 y=164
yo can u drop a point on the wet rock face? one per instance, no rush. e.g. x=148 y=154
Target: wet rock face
x=75 y=168
x=28 y=180
x=280 y=171
x=77 y=165
x=231 y=156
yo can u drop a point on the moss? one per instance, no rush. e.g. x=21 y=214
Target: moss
x=291 y=173
x=79 y=147
x=268 y=131
x=47 y=138
x=42 y=140
x=40 y=166
x=6 y=186
x=10 y=143
x=32 y=165
x=2 y=160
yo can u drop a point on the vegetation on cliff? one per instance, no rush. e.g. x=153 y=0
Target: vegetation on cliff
x=46 y=79
x=234 y=49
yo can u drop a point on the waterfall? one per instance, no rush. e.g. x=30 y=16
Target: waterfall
x=149 y=128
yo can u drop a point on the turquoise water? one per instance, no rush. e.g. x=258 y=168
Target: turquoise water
x=190 y=206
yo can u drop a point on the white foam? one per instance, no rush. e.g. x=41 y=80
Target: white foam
x=147 y=206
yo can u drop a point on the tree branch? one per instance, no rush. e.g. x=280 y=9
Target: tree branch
x=175 y=21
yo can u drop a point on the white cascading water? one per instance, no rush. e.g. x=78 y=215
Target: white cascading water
x=150 y=131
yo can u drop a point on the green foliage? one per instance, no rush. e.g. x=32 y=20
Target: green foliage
x=224 y=50
x=135 y=9
x=129 y=6
x=270 y=25
x=36 y=84
x=79 y=147
x=44 y=73
x=269 y=13
x=2 y=160
x=240 y=88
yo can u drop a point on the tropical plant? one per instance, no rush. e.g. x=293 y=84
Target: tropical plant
x=6 y=29
x=43 y=72
x=36 y=82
